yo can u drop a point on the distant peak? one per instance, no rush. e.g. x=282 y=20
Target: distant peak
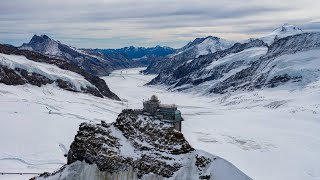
x=288 y=28
x=45 y=36
x=40 y=38
x=212 y=37
x=287 y=24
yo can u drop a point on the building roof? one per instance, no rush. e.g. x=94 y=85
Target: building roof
x=169 y=106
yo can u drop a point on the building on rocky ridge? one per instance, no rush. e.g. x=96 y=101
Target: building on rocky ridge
x=167 y=113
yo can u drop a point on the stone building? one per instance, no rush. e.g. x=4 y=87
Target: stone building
x=151 y=106
x=167 y=113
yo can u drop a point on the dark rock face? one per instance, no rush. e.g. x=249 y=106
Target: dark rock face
x=96 y=145
x=19 y=76
x=163 y=139
x=252 y=76
x=10 y=77
x=138 y=146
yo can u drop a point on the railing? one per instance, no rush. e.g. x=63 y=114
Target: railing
x=133 y=111
x=17 y=173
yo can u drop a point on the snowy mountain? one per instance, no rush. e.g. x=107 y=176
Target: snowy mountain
x=272 y=126
x=292 y=60
x=93 y=62
x=139 y=52
x=194 y=49
x=204 y=46
x=19 y=67
x=281 y=32
x=139 y=146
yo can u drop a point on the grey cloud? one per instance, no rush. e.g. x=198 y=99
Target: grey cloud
x=147 y=21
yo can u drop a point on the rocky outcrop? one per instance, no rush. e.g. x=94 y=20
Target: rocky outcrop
x=139 y=146
x=19 y=76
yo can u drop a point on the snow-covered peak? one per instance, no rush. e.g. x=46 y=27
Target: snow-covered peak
x=204 y=46
x=43 y=44
x=213 y=44
x=287 y=29
x=281 y=32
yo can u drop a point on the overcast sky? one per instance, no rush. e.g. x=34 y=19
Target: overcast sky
x=118 y=23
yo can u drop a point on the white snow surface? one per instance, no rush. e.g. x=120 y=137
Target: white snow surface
x=245 y=58
x=50 y=71
x=209 y=45
x=267 y=134
x=302 y=64
x=281 y=32
x=212 y=45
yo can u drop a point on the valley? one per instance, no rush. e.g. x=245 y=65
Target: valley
x=267 y=134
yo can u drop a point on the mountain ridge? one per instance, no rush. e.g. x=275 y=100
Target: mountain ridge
x=194 y=49
x=139 y=146
x=13 y=72
x=241 y=71
x=97 y=65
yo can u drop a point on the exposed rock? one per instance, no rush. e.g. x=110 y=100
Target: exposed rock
x=139 y=146
x=19 y=76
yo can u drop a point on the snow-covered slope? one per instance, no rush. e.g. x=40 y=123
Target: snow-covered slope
x=293 y=59
x=194 y=49
x=214 y=67
x=139 y=146
x=209 y=45
x=203 y=46
x=49 y=71
x=18 y=67
x=267 y=133
x=281 y=32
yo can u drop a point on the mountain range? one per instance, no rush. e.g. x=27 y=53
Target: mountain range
x=205 y=65
x=95 y=61
x=266 y=62
x=194 y=49
x=139 y=52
